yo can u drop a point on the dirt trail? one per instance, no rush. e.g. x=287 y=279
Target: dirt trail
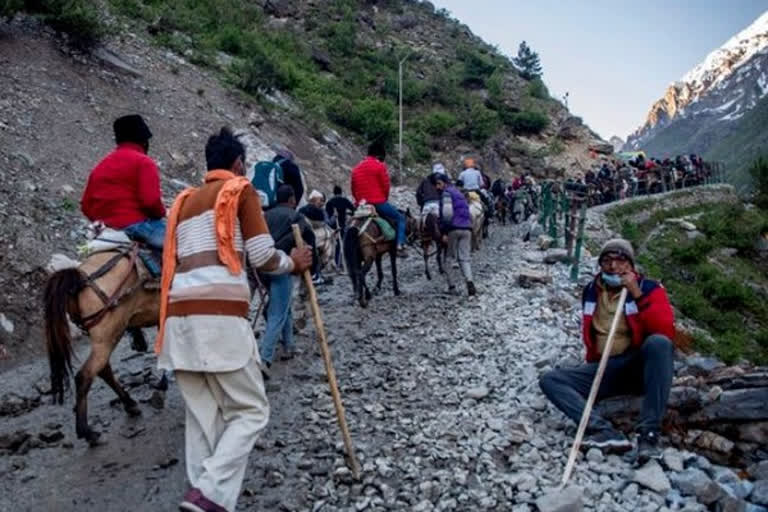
x=440 y=393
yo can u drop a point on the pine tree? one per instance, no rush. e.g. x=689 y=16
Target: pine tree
x=527 y=61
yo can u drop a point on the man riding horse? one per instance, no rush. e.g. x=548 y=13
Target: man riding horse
x=123 y=192
x=370 y=184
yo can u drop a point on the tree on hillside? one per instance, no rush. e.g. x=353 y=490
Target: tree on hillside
x=527 y=61
x=759 y=173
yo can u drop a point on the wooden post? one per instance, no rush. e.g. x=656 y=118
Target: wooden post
x=595 y=386
x=354 y=465
x=579 y=242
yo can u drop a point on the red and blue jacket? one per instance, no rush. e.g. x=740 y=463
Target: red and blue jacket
x=650 y=314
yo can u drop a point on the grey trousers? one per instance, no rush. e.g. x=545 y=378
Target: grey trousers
x=225 y=412
x=645 y=371
x=460 y=249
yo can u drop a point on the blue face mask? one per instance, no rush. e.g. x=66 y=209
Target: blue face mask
x=612 y=280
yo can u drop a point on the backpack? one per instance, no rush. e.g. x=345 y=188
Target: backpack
x=446 y=208
x=267 y=177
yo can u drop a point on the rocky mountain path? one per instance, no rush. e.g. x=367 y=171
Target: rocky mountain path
x=441 y=397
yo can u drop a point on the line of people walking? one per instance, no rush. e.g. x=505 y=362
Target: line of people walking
x=218 y=232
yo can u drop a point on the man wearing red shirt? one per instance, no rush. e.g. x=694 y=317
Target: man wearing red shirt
x=123 y=190
x=641 y=357
x=370 y=183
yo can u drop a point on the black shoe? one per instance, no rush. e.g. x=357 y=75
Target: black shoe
x=471 y=290
x=607 y=440
x=648 y=446
x=289 y=354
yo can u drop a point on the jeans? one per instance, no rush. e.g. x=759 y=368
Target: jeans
x=390 y=212
x=645 y=371
x=279 y=317
x=339 y=250
x=150 y=232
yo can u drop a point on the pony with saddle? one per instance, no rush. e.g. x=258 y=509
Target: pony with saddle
x=368 y=238
x=325 y=242
x=110 y=292
x=477 y=214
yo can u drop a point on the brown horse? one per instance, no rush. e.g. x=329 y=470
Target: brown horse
x=430 y=233
x=365 y=244
x=104 y=296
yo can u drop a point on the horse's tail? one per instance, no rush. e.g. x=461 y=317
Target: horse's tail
x=60 y=298
x=352 y=249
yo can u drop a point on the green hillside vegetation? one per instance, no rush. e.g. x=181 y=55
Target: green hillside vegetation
x=716 y=279
x=340 y=62
x=747 y=140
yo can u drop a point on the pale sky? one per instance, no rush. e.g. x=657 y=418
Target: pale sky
x=614 y=57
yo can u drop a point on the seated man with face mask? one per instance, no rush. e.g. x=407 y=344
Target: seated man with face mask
x=640 y=361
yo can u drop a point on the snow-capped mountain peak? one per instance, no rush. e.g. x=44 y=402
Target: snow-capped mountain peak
x=728 y=83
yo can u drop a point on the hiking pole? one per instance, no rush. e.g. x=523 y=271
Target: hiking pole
x=593 y=392
x=354 y=465
x=263 y=292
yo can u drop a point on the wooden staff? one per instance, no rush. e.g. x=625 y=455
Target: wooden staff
x=354 y=465
x=595 y=386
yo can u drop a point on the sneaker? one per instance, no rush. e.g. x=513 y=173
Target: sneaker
x=317 y=279
x=648 y=446
x=471 y=290
x=402 y=252
x=195 y=501
x=607 y=440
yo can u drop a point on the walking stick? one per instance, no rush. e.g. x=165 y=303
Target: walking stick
x=263 y=292
x=354 y=465
x=595 y=387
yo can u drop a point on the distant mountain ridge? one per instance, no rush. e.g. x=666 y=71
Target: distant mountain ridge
x=711 y=102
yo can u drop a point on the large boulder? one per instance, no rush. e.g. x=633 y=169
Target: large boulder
x=604 y=148
x=569 y=129
x=652 y=476
x=569 y=499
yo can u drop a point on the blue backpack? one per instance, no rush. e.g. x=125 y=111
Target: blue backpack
x=267 y=177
